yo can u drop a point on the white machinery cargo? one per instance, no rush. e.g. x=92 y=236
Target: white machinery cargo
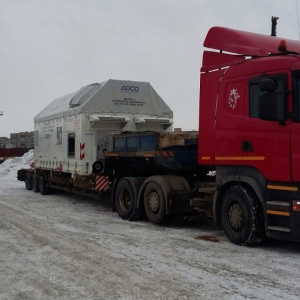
x=73 y=132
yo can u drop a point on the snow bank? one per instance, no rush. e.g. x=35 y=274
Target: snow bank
x=10 y=166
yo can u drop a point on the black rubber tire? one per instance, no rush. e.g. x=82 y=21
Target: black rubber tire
x=154 y=203
x=124 y=199
x=35 y=183
x=28 y=181
x=241 y=217
x=98 y=167
x=43 y=186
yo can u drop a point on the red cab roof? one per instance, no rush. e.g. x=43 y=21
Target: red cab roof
x=246 y=43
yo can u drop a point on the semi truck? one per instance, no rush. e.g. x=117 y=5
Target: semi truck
x=241 y=167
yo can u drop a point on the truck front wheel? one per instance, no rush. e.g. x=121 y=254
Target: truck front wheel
x=154 y=203
x=124 y=199
x=241 y=217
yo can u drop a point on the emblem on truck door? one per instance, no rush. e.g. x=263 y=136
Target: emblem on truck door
x=233 y=97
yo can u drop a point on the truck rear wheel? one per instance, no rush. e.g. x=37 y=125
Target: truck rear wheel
x=154 y=203
x=124 y=199
x=241 y=217
x=43 y=186
x=35 y=183
x=28 y=181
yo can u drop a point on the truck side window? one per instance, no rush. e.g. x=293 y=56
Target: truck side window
x=255 y=93
x=71 y=145
x=296 y=96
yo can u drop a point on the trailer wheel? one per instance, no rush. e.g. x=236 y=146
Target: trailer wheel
x=241 y=217
x=154 y=203
x=124 y=199
x=43 y=186
x=28 y=181
x=35 y=183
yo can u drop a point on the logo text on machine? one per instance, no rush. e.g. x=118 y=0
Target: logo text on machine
x=130 y=88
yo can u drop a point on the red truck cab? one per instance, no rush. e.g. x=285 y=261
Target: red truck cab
x=249 y=129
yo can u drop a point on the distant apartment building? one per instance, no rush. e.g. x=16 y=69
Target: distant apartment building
x=3 y=141
x=18 y=140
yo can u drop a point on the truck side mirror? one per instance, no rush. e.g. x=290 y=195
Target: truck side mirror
x=268 y=85
x=272 y=105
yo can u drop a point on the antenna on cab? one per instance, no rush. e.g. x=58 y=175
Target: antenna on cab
x=274 y=25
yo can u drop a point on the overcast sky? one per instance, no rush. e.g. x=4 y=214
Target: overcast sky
x=50 y=48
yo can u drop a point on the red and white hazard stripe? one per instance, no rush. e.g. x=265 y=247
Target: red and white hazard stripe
x=102 y=183
x=82 y=154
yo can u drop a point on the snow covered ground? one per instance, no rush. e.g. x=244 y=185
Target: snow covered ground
x=62 y=246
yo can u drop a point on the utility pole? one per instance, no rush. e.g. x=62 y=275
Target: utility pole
x=274 y=24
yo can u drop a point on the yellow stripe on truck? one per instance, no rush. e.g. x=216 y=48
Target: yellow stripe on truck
x=111 y=154
x=278 y=213
x=282 y=188
x=240 y=158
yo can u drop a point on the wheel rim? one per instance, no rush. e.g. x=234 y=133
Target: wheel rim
x=235 y=216
x=153 y=202
x=125 y=200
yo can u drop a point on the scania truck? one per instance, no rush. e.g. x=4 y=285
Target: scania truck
x=241 y=167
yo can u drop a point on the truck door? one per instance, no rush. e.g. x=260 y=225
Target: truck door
x=266 y=142
x=295 y=128
x=229 y=120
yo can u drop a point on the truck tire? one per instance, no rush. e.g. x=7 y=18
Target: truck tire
x=28 y=181
x=35 y=183
x=154 y=203
x=241 y=217
x=43 y=186
x=124 y=199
